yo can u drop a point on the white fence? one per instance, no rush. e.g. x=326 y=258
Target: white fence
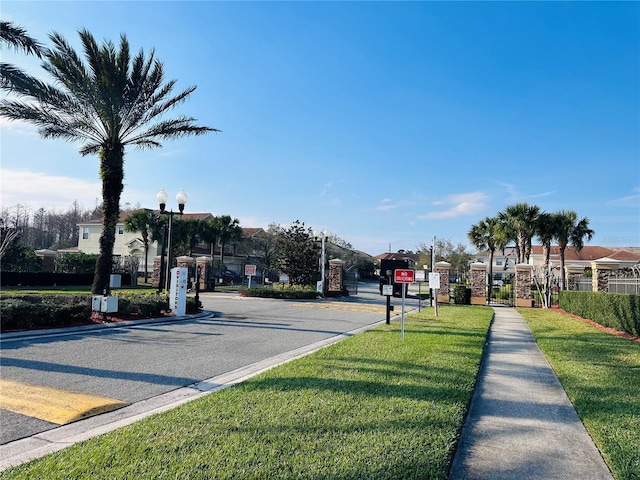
x=624 y=285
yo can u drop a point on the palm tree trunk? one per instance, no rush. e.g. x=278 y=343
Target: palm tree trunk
x=111 y=173
x=490 y=286
x=562 y=272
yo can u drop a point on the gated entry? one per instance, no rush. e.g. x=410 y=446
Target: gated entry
x=503 y=290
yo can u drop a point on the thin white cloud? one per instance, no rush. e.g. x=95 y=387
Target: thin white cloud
x=514 y=195
x=387 y=205
x=457 y=205
x=632 y=200
x=41 y=190
x=325 y=189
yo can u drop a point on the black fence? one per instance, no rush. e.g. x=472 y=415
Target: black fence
x=50 y=279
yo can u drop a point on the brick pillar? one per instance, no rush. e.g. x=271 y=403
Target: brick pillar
x=336 y=276
x=602 y=270
x=205 y=266
x=443 y=268
x=478 y=283
x=155 y=276
x=523 y=285
x=186 y=262
x=573 y=272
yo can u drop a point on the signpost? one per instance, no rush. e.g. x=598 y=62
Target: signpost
x=434 y=283
x=249 y=271
x=403 y=275
x=420 y=277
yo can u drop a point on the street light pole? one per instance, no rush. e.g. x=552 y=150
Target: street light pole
x=323 y=236
x=162 y=197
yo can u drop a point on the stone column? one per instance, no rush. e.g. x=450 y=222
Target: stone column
x=478 y=283
x=205 y=266
x=524 y=278
x=573 y=272
x=443 y=268
x=186 y=262
x=602 y=270
x=336 y=276
x=155 y=276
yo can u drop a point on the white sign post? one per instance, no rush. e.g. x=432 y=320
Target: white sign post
x=178 y=291
x=434 y=283
x=249 y=271
x=402 y=275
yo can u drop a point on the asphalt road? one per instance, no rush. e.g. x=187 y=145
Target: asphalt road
x=134 y=363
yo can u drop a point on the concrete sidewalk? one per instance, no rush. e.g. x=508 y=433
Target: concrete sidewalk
x=521 y=424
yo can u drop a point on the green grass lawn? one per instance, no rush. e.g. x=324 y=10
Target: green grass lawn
x=601 y=375
x=369 y=407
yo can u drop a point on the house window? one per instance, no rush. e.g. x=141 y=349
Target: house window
x=85 y=233
x=499 y=262
x=120 y=230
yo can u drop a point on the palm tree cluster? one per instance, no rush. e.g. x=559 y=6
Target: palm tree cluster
x=107 y=101
x=518 y=224
x=187 y=233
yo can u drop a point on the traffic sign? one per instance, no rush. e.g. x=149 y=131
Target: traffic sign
x=403 y=275
x=249 y=270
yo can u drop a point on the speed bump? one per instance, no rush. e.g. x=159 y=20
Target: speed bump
x=53 y=404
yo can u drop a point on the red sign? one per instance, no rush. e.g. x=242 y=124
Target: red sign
x=249 y=270
x=402 y=275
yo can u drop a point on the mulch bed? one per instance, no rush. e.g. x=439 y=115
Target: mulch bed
x=600 y=327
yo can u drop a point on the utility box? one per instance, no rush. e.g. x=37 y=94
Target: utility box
x=115 y=281
x=109 y=304
x=96 y=303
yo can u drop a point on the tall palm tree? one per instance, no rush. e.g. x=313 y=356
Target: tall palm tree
x=519 y=221
x=488 y=234
x=107 y=102
x=546 y=231
x=230 y=231
x=142 y=221
x=571 y=230
x=210 y=233
x=16 y=37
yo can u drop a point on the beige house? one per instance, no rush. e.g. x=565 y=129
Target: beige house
x=504 y=263
x=126 y=243
x=236 y=255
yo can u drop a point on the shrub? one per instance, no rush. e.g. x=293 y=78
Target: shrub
x=34 y=311
x=294 y=292
x=31 y=311
x=461 y=295
x=615 y=310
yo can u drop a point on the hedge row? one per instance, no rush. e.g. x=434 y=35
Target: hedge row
x=291 y=293
x=615 y=310
x=33 y=311
x=28 y=312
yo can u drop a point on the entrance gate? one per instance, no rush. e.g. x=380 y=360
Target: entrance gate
x=503 y=291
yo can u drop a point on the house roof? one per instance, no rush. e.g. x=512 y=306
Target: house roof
x=589 y=253
x=251 y=232
x=398 y=256
x=124 y=215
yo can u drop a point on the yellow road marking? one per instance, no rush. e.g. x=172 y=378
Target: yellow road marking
x=52 y=404
x=351 y=307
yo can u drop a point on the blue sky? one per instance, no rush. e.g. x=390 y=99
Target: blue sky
x=385 y=123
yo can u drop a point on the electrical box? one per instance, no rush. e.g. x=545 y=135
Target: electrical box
x=109 y=304
x=96 y=303
x=115 y=281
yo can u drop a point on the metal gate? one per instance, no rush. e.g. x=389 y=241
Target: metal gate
x=351 y=282
x=502 y=292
